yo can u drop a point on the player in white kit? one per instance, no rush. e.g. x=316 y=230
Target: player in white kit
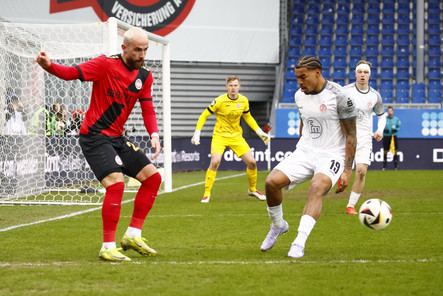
x=324 y=153
x=367 y=100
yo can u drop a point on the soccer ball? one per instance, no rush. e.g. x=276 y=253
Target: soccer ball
x=375 y=214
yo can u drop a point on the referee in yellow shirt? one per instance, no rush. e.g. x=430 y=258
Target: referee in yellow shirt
x=228 y=108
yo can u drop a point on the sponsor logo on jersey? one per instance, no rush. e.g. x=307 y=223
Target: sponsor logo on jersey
x=138 y=84
x=160 y=17
x=315 y=128
x=118 y=160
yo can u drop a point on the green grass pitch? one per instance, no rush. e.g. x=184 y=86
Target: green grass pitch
x=214 y=249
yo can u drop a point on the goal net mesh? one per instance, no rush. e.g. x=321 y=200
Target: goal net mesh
x=40 y=158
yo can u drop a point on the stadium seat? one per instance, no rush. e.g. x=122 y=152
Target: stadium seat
x=403 y=9
x=402 y=51
x=341 y=40
x=311 y=30
x=373 y=18
x=325 y=61
x=402 y=73
x=351 y=74
x=403 y=28
x=298 y=9
x=356 y=29
x=434 y=62
x=373 y=29
x=313 y=8
x=388 y=18
x=295 y=41
x=388 y=29
x=326 y=73
x=403 y=39
x=372 y=50
x=342 y=18
x=342 y=29
x=403 y=62
x=434 y=73
x=402 y=85
x=340 y=62
x=403 y=19
x=374 y=8
x=434 y=29
x=326 y=29
x=434 y=18
x=356 y=40
x=324 y=51
x=418 y=86
x=327 y=19
x=325 y=40
x=294 y=52
x=435 y=97
x=418 y=96
x=372 y=40
x=343 y=8
x=328 y=8
x=387 y=39
x=358 y=7
x=387 y=84
x=342 y=82
x=402 y=96
x=358 y=18
x=434 y=40
x=338 y=74
x=387 y=95
x=434 y=84
x=387 y=62
x=373 y=60
x=353 y=61
x=310 y=40
x=435 y=51
x=297 y=20
x=291 y=85
x=387 y=50
x=296 y=30
x=309 y=50
x=387 y=73
x=312 y=19
x=340 y=51
x=388 y=7
x=373 y=83
x=290 y=74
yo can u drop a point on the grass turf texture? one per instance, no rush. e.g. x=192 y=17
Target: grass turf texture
x=214 y=249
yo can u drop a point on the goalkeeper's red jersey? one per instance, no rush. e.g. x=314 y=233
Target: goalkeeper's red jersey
x=116 y=88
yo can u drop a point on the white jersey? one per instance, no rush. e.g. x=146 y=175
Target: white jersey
x=321 y=114
x=365 y=103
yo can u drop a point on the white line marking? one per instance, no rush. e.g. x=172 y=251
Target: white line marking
x=270 y=262
x=98 y=208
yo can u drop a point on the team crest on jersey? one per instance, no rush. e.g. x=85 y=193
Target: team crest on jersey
x=323 y=108
x=315 y=128
x=138 y=84
x=238 y=105
x=118 y=160
x=160 y=17
x=369 y=104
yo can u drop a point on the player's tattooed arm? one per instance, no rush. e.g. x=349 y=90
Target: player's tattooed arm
x=349 y=128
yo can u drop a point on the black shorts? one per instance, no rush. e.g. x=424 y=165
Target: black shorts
x=387 y=142
x=106 y=155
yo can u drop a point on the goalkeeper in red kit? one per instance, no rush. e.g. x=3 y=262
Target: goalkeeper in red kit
x=119 y=81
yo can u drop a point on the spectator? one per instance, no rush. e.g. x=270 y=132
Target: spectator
x=15 y=117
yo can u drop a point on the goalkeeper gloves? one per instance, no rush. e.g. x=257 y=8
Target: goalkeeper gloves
x=196 y=138
x=264 y=136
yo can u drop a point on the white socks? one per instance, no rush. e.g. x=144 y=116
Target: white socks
x=353 y=199
x=307 y=223
x=108 y=246
x=276 y=215
x=133 y=232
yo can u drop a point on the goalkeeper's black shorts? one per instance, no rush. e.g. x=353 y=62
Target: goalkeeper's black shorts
x=107 y=154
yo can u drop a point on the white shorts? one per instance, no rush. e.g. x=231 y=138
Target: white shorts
x=301 y=166
x=363 y=154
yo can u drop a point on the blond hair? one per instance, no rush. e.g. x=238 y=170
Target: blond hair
x=133 y=32
x=232 y=78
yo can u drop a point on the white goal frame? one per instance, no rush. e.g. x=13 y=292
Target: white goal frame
x=112 y=37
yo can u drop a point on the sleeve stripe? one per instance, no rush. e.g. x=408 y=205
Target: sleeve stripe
x=212 y=112
x=81 y=73
x=145 y=99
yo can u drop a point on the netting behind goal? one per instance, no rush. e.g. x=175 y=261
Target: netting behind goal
x=40 y=158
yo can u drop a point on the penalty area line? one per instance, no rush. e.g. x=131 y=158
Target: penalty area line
x=98 y=208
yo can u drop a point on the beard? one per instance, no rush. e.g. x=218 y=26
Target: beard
x=135 y=64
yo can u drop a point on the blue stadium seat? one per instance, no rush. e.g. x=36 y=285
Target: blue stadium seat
x=403 y=73
x=435 y=51
x=310 y=40
x=356 y=50
x=295 y=40
x=418 y=86
x=388 y=29
x=418 y=96
x=435 y=97
x=291 y=62
x=374 y=61
x=388 y=7
x=327 y=18
x=353 y=61
x=311 y=30
x=434 y=40
x=290 y=74
x=373 y=29
x=358 y=18
x=312 y=19
x=373 y=83
x=373 y=18
x=434 y=18
x=372 y=50
x=341 y=40
x=386 y=84
x=387 y=95
x=325 y=72
x=403 y=28
x=403 y=19
x=387 y=39
x=328 y=8
x=434 y=84
x=402 y=85
x=356 y=40
x=343 y=8
x=434 y=62
x=403 y=50
x=387 y=50
x=434 y=73
x=403 y=8
x=338 y=74
x=313 y=8
x=358 y=7
x=326 y=29
x=342 y=18
x=342 y=82
x=372 y=40
x=403 y=62
x=298 y=9
x=291 y=85
x=387 y=62
x=351 y=74
x=356 y=29
x=403 y=39
x=296 y=30
x=402 y=96
x=325 y=61
x=342 y=29
x=309 y=50
x=297 y=20
x=374 y=8
x=339 y=62
x=324 y=51
x=294 y=52
x=340 y=51
x=387 y=73
x=434 y=29
x=326 y=40
x=288 y=97
x=388 y=18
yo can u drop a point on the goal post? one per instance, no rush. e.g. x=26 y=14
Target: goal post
x=42 y=163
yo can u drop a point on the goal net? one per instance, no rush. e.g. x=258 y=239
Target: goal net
x=40 y=159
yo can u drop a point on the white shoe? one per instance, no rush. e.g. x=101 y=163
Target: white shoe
x=206 y=199
x=272 y=236
x=257 y=194
x=296 y=251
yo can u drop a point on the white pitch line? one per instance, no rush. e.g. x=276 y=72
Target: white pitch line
x=222 y=262
x=98 y=208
